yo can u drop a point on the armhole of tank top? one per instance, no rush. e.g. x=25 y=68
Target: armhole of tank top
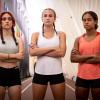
x=17 y=39
x=79 y=39
x=58 y=33
x=39 y=33
x=98 y=33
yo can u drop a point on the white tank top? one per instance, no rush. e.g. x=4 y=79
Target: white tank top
x=48 y=65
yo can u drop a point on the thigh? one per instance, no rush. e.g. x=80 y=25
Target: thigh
x=14 y=92
x=95 y=93
x=81 y=93
x=38 y=91
x=82 y=89
x=2 y=92
x=95 y=89
x=58 y=91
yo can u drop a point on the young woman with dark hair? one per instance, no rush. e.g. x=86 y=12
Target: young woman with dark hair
x=86 y=52
x=11 y=52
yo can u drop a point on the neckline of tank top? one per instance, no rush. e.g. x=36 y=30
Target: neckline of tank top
x=55 y=34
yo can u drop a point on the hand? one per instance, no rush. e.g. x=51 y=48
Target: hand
x=20 y=56
x=75 y=51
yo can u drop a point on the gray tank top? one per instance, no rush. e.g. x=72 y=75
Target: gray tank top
x=9 y=46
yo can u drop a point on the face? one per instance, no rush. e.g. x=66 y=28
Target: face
x=88 y=22
x=6 y=21
x=48 y=17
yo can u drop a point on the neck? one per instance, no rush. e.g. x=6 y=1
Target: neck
x=48 y=29
x=7 y=32
x=90 y=32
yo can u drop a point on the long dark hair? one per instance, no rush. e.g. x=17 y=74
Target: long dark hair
x=94 y=16
x=53 y=23
x=13 y=25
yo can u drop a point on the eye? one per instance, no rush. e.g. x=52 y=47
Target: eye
x=6 y=18
x=9 y=18
x=45 y=15
x=89 y=19
x=84 y=20
x=50 y=15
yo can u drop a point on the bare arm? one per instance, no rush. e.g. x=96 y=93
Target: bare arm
x=61 y=49
x=95 y=59
x=76 y=56
x=3 y=56
x=36 y=51
x=14 y=57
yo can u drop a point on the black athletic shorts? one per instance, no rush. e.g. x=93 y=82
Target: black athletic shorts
x=95 y=83
x=9 y=76
x=44 y=79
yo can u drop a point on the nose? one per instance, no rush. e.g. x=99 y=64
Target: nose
x=7 y=21
x=86 y=21
x=47 y=17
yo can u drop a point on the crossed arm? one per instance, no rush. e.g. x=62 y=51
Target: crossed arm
x=20 y=54
x=78 y=58
x=50 y=51
x=13 y=57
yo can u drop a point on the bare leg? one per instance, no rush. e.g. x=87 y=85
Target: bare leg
x=14 y=92
x=58 y=91
x=82 y=93
x=39 y=91
x=95 y=93
x=2 y=92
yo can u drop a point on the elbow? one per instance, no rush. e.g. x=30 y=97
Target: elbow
x=31 y=54
x=62 y=54
x=73 y=59
x=22 y=56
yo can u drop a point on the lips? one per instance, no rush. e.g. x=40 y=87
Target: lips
x=86 y=25
x=47 y=21
x=6 y=24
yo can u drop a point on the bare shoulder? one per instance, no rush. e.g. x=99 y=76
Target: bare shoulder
x=20 y=39
x=76 y=43
x=34 y=37
x=62 y=33
x=77 y=39
x=35 y=34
